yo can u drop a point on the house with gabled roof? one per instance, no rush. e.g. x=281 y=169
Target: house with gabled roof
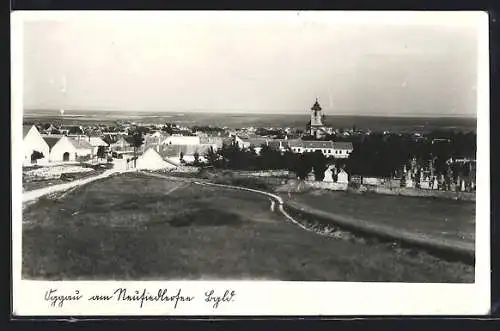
x=82 y=146
x=96 y=142
x=67 y=149
x=152 y=160
x=61 y=149
x=124 y=144
x=34 y=142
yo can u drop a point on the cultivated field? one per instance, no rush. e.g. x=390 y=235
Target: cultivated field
x=135 y=227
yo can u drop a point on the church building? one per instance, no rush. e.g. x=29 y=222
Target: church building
x=316 y=125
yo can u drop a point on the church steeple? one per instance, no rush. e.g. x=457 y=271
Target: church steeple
x=316 y=119
x=316 y=106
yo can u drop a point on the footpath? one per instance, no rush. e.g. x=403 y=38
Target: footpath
x=30 y=196
x=302 y=215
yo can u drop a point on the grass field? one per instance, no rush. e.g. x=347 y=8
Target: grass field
x=134 y=227
x=439 y=218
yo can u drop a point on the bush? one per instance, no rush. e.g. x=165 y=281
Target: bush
x=83 y=158
x=68 y=177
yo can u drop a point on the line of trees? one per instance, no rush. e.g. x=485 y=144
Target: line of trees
x=232 y=157
x=383 y=155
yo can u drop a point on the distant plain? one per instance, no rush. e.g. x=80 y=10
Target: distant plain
x=235 y=120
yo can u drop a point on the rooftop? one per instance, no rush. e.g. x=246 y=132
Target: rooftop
x=321 y=144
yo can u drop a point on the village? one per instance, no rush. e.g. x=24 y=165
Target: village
x=316 y=154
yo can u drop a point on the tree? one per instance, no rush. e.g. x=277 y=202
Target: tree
x=196 y=158
x=302 y=166
x=75 y=130
x=319 y=165
x=212 y=157
x=269 y=158
x=36 y=155
x=101 y=152
x=137 y=142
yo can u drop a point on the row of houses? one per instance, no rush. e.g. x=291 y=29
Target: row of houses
x=339 y=150
x=61 y=148
x=42 y=149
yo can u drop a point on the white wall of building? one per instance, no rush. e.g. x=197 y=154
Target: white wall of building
x=342 y=177
x=84 y=151
x=182 y=140
x=336 y=153
x=62 y=146
x=33 y=141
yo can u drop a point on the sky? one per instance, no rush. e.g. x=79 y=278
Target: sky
x=253 y=62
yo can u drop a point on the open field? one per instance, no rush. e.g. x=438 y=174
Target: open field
x=132 y=227
x=439 y=218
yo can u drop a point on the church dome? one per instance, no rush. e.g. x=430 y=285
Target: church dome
x=316 y=106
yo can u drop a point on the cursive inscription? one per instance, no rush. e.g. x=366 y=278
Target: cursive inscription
x=57 y=300
x=210 y=296
x=122 y=294
x=140 y=297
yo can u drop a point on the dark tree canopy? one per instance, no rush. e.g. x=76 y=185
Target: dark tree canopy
x=101 y=152
x=319 y=164
x=36 y=155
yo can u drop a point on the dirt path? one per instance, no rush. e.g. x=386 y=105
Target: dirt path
x=272 y=197
x=30 y=196
x=466 y=249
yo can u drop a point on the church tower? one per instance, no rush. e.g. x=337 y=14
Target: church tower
x=316 y=125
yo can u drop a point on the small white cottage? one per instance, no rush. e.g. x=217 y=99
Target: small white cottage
x=61 y=149
x=34 y=142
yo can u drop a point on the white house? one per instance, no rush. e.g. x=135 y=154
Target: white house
x=338 y=150
x=153 y=140
x=214 y=141
x=181 y=140
x=82 y=146
x=61 y=149
x=64 y=149
x=151 y=160
x=96 y=142
x=33 y=141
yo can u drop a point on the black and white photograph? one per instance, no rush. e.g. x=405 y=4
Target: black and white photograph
x=295 y=148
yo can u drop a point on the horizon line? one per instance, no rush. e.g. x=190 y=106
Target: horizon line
x=248 y=112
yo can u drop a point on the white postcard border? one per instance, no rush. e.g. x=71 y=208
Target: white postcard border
x=261 y=297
